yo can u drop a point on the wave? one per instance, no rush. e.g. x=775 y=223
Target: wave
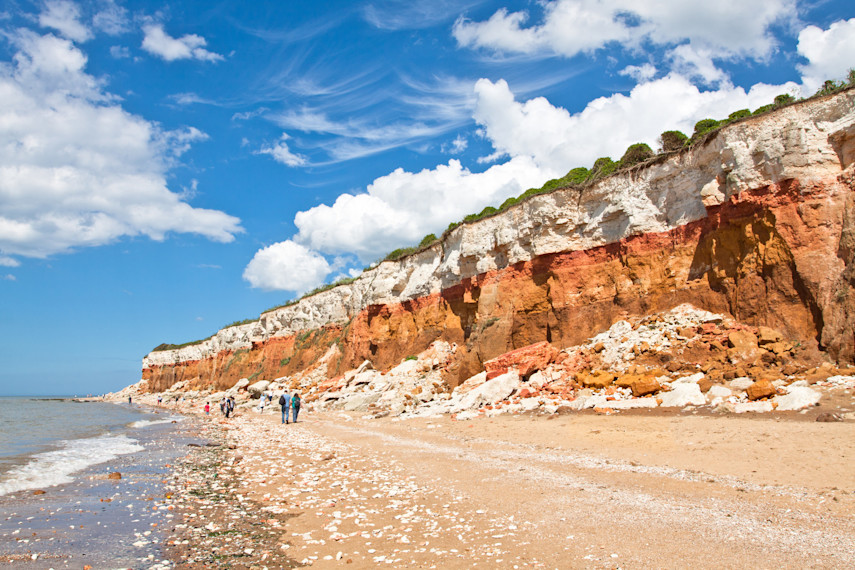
x=146 y=423
x=57 y=467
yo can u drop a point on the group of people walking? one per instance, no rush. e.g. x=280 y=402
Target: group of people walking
x=292 y=402
x=227 y=406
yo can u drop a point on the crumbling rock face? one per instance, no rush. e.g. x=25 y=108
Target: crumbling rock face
x=757 y=223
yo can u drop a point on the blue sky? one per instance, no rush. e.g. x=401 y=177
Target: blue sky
x=169 y=168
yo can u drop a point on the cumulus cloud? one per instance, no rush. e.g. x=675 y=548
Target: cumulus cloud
x=829 y=53
x=401 y=207
x=571 y=27
x=640 y=73
x=191 y=46
x=78 y=170
x=286 y=266
x=64 y=17
x=281 y=153
x=558 y=140
x=6 y=261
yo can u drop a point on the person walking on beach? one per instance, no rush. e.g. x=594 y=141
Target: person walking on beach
x=207 y=408
x=285 y=402
x=295 y=405
x=130 y=400
x=229 y=406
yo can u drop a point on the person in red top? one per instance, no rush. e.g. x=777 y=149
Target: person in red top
x=207 y=408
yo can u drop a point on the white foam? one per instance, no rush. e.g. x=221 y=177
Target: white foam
x=146 y=423
x=56 y=467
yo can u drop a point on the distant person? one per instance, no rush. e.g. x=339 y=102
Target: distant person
x=130 y=400
x=230 y=406
x=223 y=405
x=207 y=408
x=285 y=402
x=159 y=400
x=295 y=405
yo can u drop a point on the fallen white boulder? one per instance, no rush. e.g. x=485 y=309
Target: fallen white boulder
x=797 y=398
x=490 y=392
x=683 y=394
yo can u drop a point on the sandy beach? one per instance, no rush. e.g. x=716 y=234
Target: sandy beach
x=642 y=489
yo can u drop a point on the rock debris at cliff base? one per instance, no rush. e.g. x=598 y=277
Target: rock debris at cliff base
x=682 y=358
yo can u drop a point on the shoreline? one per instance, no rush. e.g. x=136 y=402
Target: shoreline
x=518 y=491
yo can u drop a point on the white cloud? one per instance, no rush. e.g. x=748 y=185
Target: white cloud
x=281 y=153
x=401 y=207
x=120 y=52
x=9 y=277
x=697 y=63
x=190 y=46
x=640 y=73
x=111 y=19
x=558 y=141
x=458 y=145
x=830 y=53
x=64 y=17
x=286 y=266
x=6 y=261
x=570 y=27
x=78 y=170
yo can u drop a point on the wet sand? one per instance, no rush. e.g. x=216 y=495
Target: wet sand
x=635 y=490
x=97 y=521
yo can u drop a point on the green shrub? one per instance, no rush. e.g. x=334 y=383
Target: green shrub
x=411 y=357
x=784 y=99
x=577 y=175
x=830 y=86
x=740 y=114
x=397 y=254
x=670 y=141
x=450 y=227
x=427 y=240
x=704 y=126
x=763 y=109
x=635 y=154
x=508 y=203
x=602 y=168
x=239 y=323
x=284 y=362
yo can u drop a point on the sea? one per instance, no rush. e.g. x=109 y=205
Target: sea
x=59 y=507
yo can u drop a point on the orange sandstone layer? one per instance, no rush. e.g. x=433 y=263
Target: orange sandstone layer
x=779 y=256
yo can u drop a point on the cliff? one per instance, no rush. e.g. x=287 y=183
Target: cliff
x=755 y=222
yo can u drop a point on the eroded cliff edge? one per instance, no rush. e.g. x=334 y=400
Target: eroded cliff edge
x=758 y=222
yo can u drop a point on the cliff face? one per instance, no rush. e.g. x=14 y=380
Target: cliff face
x=758 y=222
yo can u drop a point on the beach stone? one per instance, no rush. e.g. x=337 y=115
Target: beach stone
x=644 y=386
x=634 y=403
x=827 y=417
x=798 y=398
x=536 y=380
x=525 y=360
x=683 y=394
x=765 y=335
x=114 y=475
x=760 y=389
x=257 y=389
x=719 y=392
x=39 y=492
x=240 y=384
x=755 y=407
x=596 y=379
x=741 y=383
x=490 y=392
x=360 y=401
